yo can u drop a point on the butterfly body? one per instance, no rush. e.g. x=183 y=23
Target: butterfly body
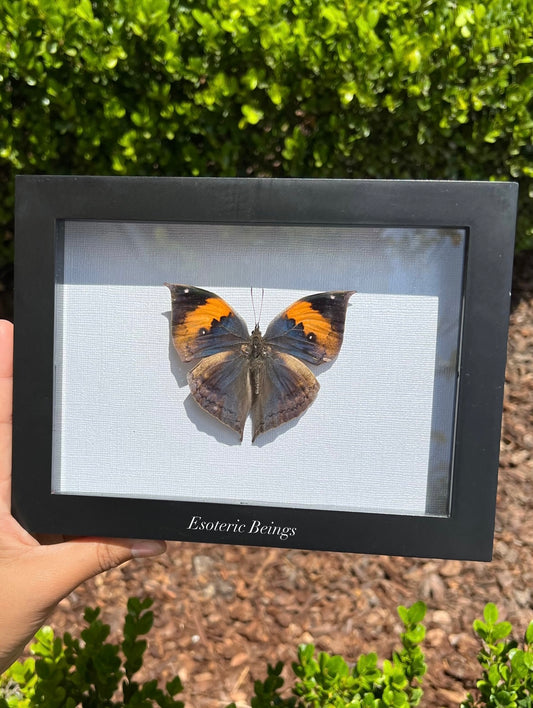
x=240 y=373
x=256 y=352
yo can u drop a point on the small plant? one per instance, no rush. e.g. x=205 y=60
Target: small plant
x=70 y=673
x=327 y=681
x=507 y=678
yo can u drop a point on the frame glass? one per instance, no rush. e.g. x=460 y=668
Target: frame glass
x=398 y=453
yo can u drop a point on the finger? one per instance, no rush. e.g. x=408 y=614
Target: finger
x=62 y=567
x=6 y=407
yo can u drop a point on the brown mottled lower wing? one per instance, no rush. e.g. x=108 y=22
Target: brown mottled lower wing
x=220 y=384
x=286 y=389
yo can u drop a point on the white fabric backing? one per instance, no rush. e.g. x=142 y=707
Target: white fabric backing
x=125 y=424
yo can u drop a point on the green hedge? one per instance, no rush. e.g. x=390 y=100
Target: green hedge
x=359 y=88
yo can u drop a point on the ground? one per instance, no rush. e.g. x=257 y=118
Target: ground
x=223 y=612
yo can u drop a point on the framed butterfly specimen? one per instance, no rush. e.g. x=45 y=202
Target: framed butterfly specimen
x=239 y=373
x=173 y=411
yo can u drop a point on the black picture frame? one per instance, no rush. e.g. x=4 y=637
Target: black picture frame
x=484 y=213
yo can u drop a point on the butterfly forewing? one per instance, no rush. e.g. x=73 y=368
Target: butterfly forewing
x=312 y=328
x=203 y=323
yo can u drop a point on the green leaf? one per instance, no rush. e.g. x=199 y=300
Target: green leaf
x=501 y=630
x=414 y=58
x=529 y=633
x=175 y=686
x=480 y=628
x=493 y=675
x=276 y=93
x=84 y=10
x=403 y=613
x=305 y=652
x=417 y=612
x=251 y=115
x=145 y=623
x=490 y=613
x=416 y=635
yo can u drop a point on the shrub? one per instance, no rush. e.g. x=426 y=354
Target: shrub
x=328 y=682
x=395 y=88
x=507 y=678
x=71 y=673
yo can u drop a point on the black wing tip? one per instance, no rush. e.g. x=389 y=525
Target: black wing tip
x=172 y=286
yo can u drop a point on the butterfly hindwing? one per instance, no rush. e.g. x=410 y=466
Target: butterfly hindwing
x=203 y=323
x=312 y=328
x=220 y=384
x=286 y=389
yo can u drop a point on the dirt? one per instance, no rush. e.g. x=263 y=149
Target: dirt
x=223 y=612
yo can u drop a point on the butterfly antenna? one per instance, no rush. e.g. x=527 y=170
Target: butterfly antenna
x=257 y=319
x=253 y=304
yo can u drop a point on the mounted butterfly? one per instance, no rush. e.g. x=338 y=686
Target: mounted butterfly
x=239 y=373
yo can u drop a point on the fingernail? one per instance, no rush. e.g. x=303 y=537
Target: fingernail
x=143 y=549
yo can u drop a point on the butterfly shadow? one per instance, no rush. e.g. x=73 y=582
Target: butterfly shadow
x=204 y=422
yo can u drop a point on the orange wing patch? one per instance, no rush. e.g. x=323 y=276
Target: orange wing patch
x=315 y=324
x=203 y=315
x=197 y=322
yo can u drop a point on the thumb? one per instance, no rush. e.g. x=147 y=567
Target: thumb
x=64 y=566
x=40 y=576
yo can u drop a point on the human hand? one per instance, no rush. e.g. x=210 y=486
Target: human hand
x=35 y=577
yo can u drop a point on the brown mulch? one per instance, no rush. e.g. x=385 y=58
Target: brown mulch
x=223 y=612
